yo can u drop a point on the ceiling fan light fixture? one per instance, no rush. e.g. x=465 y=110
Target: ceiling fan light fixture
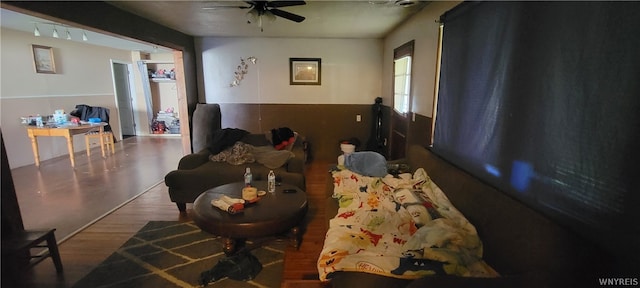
x=252 y=16
x=405 y=3
x=261 y=11
x=269 y=16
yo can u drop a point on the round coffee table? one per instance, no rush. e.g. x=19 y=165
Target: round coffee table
x=274 y=214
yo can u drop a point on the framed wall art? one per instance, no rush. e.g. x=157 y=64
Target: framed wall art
x=43 y=59
x=305 y=71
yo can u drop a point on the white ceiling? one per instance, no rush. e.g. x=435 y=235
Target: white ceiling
x=324 y=19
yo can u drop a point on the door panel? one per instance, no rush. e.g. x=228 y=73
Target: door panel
x=125 y=107
x=402 y=99
x=399 y=125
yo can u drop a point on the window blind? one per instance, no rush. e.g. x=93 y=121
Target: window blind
x=542 y=100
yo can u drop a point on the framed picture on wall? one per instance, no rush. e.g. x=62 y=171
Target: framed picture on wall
x=43 y=59
x=305 y=71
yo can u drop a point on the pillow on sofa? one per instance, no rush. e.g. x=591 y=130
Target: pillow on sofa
x=270 y=157
x=284 y=137
x=286 y=144
x=206 y=120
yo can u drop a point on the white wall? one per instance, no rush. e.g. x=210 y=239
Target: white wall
x=422 y=28
x=351 y=70
x=83 y=77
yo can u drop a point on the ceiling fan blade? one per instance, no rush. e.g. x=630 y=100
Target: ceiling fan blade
x=287 y=15
x=222 y=6
x=277 y=4
x=225 y=7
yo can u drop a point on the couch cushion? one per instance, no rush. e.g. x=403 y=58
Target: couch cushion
x=206 y=120
x=290 y=142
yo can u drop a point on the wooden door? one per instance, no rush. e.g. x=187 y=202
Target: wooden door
x=124 y=99
x=399 y=128
x=402 y=99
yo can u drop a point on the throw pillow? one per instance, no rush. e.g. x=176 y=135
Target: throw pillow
x=366 y=163
x=270 y=157
x=282 y=137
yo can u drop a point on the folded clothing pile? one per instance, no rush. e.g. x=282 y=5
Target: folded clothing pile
x=228 y=204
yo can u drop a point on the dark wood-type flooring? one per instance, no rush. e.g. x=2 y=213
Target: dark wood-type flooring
x=84 y=250
x=56 y=195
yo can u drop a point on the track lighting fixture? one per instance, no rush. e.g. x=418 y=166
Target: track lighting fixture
x=55 y=33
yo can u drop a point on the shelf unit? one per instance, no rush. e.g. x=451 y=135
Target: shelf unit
x=156 y=65
x=163 y=95
x=162 y=80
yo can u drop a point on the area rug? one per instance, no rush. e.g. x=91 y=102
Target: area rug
x=174 y=254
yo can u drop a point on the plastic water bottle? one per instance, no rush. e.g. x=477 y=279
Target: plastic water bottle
x=248 y=178
x=272 y=182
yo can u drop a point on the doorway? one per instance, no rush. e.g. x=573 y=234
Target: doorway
x=402 y=67
x=122 y=82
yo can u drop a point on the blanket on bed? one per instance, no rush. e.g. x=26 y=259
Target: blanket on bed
x=401 y=227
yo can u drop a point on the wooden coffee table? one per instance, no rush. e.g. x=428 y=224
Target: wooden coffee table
x=274 y=214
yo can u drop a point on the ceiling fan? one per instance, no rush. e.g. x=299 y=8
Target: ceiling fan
x=267 y=9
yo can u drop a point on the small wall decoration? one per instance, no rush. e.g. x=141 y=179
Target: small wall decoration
x=242 y=70
x=305 y=71
x=43 y=59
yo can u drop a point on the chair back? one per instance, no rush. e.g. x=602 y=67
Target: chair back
x=84 y=112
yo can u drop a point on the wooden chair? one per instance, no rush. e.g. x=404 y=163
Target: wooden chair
x=17 y=247
x=95 y=136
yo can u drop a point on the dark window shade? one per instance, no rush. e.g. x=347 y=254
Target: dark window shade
x=542 y=100
x=405 y=49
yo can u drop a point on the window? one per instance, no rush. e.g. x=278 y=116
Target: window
x=402 y=84
x=545 y=111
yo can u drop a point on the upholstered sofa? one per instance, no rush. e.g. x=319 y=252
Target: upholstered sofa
x=523 y=246
x=196 y=173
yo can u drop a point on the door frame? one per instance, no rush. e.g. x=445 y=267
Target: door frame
x=183 y=109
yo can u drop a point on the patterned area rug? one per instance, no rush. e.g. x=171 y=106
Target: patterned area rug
x=173 y=254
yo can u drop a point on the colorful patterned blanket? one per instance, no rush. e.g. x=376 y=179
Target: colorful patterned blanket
x=401 y=227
